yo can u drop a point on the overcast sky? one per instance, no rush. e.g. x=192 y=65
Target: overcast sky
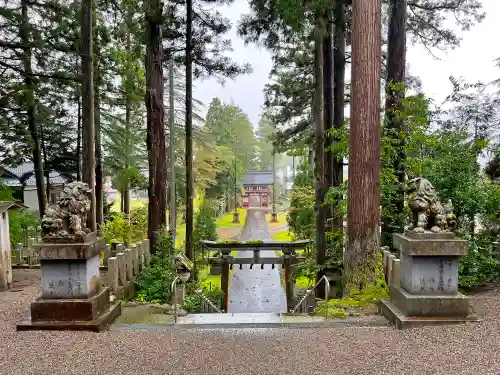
x=473 y=61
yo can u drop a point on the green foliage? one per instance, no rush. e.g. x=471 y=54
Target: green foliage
x=106 y=207
x=6 y=193
x=301 y=217
x=127 y=228
x=480 y=267
x=204 y=226
x=22 y=222
x=340 y=308
x=192 y=302
x=231 y=130
x=153 y=284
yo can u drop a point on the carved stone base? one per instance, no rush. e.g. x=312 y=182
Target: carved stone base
x=430 y=305
x=93 y=314
x=70 y=309
x=98 y=324
x=394 y=315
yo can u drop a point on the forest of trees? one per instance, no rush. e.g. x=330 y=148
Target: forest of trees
x=85 y=91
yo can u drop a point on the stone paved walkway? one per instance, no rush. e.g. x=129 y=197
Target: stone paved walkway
x=455 y=350
x=256 y=290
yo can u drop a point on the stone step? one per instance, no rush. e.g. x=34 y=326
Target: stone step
x=257 y=321
x=267 y=320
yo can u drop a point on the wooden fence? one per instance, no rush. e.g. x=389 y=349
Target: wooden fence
x=125 y=265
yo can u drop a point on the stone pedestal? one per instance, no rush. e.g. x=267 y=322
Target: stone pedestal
x=72 y=297
x=274 y=217
x=236 y=217
x=428 y=290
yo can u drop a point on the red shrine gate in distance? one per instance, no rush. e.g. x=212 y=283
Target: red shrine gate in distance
x=260 y=184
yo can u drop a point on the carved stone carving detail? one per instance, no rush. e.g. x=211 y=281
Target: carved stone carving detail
x=428 y=212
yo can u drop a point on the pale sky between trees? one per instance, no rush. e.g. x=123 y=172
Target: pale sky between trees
x=473 y=61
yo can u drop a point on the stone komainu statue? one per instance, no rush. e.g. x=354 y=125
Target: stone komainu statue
x=68 y=217
x=428 y=212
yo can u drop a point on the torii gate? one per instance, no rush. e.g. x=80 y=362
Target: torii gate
x=224 y=258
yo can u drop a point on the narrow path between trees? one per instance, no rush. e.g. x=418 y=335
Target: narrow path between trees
x=256 y=290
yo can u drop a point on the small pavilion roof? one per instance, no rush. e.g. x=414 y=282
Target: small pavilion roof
x=5 y=206
x=258 y=178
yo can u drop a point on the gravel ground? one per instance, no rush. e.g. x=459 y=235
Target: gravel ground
x=256 y=290
x=453 y=350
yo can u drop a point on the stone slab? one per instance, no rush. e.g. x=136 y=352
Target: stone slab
x=429 y=246
x=126 y=292
x=64 y=240
x=428 y=235
x=98 y=324
x=70 y=278
x=70 y=309
x=394 y=315
x=429 y=305
x=429 y=274
x=56 y=251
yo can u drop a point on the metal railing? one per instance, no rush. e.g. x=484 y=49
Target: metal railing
x=173 y=290
x=302 y=306
x=207 y=306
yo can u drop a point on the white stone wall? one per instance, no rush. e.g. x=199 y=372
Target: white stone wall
x=5 y=251
x=30 y=198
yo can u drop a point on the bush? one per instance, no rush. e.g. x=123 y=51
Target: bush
x=205 y=227
x=479 y=267
x=153 y=284
x=127 y=228
x=192 y=302
x=22 y=222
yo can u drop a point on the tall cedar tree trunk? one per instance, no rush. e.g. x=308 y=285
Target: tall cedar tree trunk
x=157 y=206
x=171 y=124
x=128 y=111
x=78 y=126
x=88 y=162
x=364 y=147
x=46 y=171
x=319 y=146
x=338 y=106
x=396 y=61
x=99 y=211
x=328 y=105
x=30 y=104
x=126 y=187
x=189 y=130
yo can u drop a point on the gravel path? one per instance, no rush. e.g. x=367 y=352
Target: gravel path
x=459 y=350
x=256 y=290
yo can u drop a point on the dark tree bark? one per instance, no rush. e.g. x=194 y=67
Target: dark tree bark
x=189 y=130
x=319 y=146
x=157 y=206
x=30 y=104
x=46 y=171
x=88 y=162
x=338 y=103
x=395 y=92
x=128 y=113
x=328 y=105
x=364 y=147
x=98 y=147
x=79 y=128
x=126 y=188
